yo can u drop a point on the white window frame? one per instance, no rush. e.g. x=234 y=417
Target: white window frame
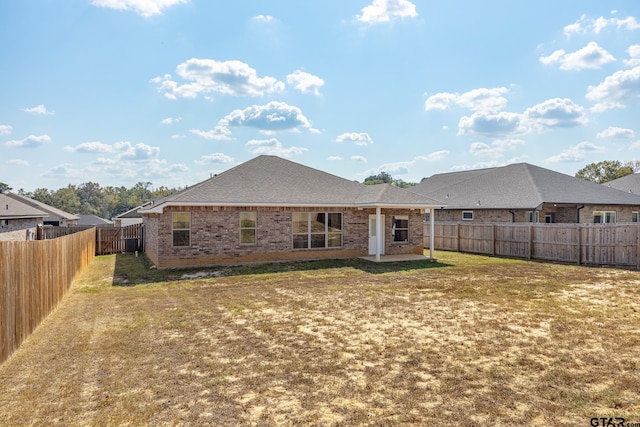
x=635 y=215
x=467 y=213
x=174 y=229
x=395 y=228
x=248 y=216
x=606 y=217
x=310 y=233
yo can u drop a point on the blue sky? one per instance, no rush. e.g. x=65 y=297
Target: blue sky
x=170 y=91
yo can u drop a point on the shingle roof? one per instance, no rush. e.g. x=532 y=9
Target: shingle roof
x=628 y=183
x=93 y=220
x=517 y=186
x=42 y=206
x=273 y=181
x=14 y=209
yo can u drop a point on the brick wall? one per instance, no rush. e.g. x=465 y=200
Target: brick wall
x=19 y=229
x=215 y=236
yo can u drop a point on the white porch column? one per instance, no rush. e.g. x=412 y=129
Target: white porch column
x=432 y=214
x=378 y=234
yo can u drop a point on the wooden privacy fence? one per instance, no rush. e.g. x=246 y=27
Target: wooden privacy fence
x=109 y=239
x=34 y=276
x=591 y=244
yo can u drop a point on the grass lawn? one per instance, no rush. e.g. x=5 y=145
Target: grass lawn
x=469 y=340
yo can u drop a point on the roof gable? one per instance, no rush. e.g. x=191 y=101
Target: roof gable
x=13 y=209
x=43 y=207
x=273 y=181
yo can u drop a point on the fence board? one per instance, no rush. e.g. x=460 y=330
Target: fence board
x=34 y=276
x=592 y=244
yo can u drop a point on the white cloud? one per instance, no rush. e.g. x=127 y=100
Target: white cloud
x=171 y=120
x=18 y=162
x=142 y=7
x=218 y=133
x=491 y=124
x=64 y=170
x=39 y=109
x=305 y=82
x=387 y=10
x=273 y=116
x=576 y=153
x=335 y=158
x=496 y=149
x=360 y=159
x=436 y=155
x=205 y=76
x=5 y=129
x=477 y=99
x=634 y=56
x=216 y=158
x=31 y=141
x=121 y=151
x=616 y=90
x=264 y=19
x=592 y=56
x=586 y=25
x=616 y=132
x=555 y=112
x=91 y=147
x=272 y=147
x=362 y=138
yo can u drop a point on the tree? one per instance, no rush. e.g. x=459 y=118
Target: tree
x=4 y=188
x=385 y=178
x=605 y=171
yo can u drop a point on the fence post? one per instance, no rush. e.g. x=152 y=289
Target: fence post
x=579 y=245
x=530 y=241
x=638 y=247
x=493 y=239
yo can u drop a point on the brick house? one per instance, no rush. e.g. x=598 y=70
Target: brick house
x=54 y=216
x=271 y=209
x=523 y=192
x=18 y=221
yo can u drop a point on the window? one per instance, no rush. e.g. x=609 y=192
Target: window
x=533 y=216
x=248 y=228
x=548 y=218
x=400 y=228
x=313 y=230
x=604 y=217
x=4 y=222
x=634 y=216
x=181 y=226
x=467 y=215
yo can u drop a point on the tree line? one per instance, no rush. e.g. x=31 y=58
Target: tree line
x=90 y=198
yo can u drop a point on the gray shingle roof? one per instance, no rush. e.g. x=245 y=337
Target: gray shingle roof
x=43 y=207
x=629 y=183
x=517 y=186
x=93 y=220
x=273 y=181
x=11 y=208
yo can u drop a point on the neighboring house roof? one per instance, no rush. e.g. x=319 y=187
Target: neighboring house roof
x=273 y=181
x=43 y=206
x=517 y=186
x=131 y=213
x=11 y=208
x=93 y=220
x=628 y=183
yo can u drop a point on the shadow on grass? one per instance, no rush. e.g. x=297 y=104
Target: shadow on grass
x=132 y=270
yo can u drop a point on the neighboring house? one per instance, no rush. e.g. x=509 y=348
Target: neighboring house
x=93 y=220
x=18 y=221
x=628 y=183
x=130 y=217
x=272 y=209
x=55 y=217
x=523 y=192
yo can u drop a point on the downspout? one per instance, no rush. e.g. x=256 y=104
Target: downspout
x=578 y=213
x=513 y=215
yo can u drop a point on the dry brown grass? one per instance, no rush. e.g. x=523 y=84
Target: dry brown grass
x=469 y=341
